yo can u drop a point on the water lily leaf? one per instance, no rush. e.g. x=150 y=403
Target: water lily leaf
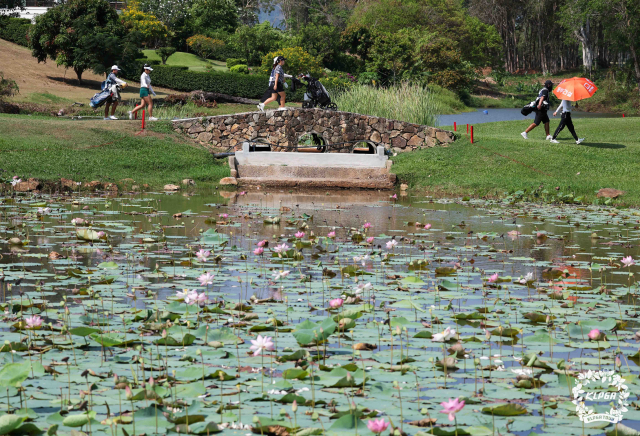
x=13 y=373
x=85 y=234
x=83 y=331
x=511 y=409
x=347 y=423
x=76 y=420
x=408 y=304
x=108 y=265
x=8 y=423
x=412 y=280
x=294 y=373
x=308 y=332
x=211 y=237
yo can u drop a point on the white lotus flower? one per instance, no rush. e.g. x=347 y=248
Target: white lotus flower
x=447 y=334
x=280 y=274
x=281 y=248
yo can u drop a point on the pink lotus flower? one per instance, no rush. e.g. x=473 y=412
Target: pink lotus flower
x=206 y=279
x=202 y=255
x=427 y=226
x=258 y=251
x=392 y=243
x=77 y=221
x=281 y=248
x=370 y=240
x=377 y=426
x=261 y=343
x=394 y=196
x=33 y=321
x=493 y=278
x=336 y=303
x=367 y=225
x=243 y=193
x=263 y=243
x=331 y=235
x=628 y=261
x=300 y=235
x=452 y=407
x=192 y=297
x=594 y=334
x=224 y=215
x=128 y=392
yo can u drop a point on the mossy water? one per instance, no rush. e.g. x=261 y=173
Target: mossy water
x=149 y=305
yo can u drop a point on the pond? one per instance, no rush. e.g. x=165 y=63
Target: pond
x=478 y=116
x=375 y=308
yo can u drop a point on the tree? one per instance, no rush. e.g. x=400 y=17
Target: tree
x=165 y=53
x=63 y=33
x=152 y=30
x=102 y=50
x=298 y=61
x=204 y=46
x=214 y=15
x=255 y=41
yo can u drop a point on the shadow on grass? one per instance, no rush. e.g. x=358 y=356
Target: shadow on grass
x=86 y=83
x=602 y=145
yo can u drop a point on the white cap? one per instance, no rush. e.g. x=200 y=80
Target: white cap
x=115 y=67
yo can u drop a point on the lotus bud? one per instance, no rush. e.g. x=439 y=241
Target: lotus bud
x=398 y=331
x=294 y=406
x=128 y=393
x=151 y=382
x=618 y=362
x=164 y=334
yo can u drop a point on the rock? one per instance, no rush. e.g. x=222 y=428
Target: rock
x=188 y=182
x=609 y=193
x=111 y=187
x=92 y=186
x=415 y=141
x=68 y=184
x=375 y=136
x=399 y=142
x=404 y=187
x=55 y=255
x=228 y=181
x=444 y=136
x=29 y=185
x=171 y=187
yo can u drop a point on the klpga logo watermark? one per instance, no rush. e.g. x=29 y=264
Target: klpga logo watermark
x=600 y=386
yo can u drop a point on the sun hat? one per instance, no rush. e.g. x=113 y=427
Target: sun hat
x=148 y=67
x=115 y=67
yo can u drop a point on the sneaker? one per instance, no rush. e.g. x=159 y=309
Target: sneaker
x=282 y=108
x=553 y=141
x=524 y=135
x=260 y=107
x=130 y=115
x=549 y=137
x=153 y=119
x=107 y=118
x=113 y=117
x=579 y=140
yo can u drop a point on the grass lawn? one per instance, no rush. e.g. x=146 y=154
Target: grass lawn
x=107 y=151
x=190 y=60
x=501 y=161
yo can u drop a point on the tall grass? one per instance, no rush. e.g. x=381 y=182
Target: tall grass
x=405 y=102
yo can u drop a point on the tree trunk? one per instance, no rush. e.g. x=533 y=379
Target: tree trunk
x=584 y=36
x=79 y=72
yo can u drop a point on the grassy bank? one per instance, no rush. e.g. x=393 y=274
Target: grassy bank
x=501 y=163
x=107 y=151
x=190 y=60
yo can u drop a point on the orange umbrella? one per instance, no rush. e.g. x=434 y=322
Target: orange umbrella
x=574 y=89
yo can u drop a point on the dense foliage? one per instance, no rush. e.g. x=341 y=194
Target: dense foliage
x=204 y=46
x=165 y=53
x=152 y=30
x=15 y=29
x=297 y=61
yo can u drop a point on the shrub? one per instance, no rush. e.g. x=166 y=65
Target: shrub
x=239 y=69
x=15 y=30
x=338 y=80
x=152 y=30
x=181 y=79
x=231 y=62
x=298 y=61
x=165 y=53
x=204 y=46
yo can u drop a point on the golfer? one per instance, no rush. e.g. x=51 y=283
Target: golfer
x=541 y=110
x=276 y=85
x=145 y=89
x=111 y=84
x=565 y=120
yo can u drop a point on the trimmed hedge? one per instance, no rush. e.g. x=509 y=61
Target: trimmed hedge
x=239 y=69
x=15 y=30
x=181 y=79
x=232 y=62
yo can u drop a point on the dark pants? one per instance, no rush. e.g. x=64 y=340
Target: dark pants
x=565 y=120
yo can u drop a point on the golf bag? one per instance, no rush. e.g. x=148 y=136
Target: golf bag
x=99 y=99
x=528 y=108
x=316 y=95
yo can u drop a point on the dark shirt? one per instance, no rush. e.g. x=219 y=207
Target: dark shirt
x=544 y=92
x=277 y=70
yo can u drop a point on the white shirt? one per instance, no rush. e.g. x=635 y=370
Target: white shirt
x=565 y=105
x=145 y=82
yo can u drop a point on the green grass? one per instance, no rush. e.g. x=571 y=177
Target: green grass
x=48 y=149
x=47 y=98
x=609 y=158
x=190 y=60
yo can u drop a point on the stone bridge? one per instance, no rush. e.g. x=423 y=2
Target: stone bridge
x=283 y=129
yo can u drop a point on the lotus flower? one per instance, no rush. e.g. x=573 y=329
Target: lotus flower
x=452 y=407
x=15 y=181
x=427 y=226
x=527 y=278
x=206 y=279
x=367 y=225
x=33 y=321
x=280 y=274
x=299 y=235
x=77 y=221
x=394 y=196
x=192 y=297
x=392 y=243
x=447 y=334
x=128 y=393
x=182 y=295
x=101 y=234
x=202 y=255
x=363 y=287
x=370 y=240
x=281 y=248
x=493 y=278
x=262 y=243
x=44 y=210
x=258 y=251
x=331 y=234
x=628 y=261
x=261 y=343
x=336 y=303
x=594 y=334
x=377 y=426
x=224 y=215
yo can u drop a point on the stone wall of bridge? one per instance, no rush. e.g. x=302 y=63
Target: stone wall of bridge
x=283 y=129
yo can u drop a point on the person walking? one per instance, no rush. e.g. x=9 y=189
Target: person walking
x=542 y=105
x=277 y=85
x=145 y=89
x=112 y=84
x=565 y=120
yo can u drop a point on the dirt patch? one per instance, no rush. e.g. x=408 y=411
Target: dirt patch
x=32 y=77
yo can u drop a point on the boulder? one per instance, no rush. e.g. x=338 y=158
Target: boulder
x=609 y=193
x=229 y=181
x=26 y=186
x=187 y=182
x=92 y=186
x=171 y=187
